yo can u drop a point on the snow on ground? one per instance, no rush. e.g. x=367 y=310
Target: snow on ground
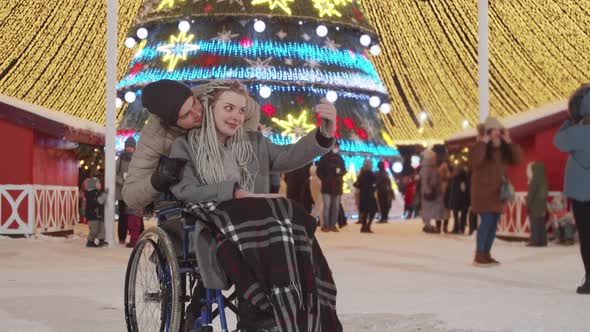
x=397 y=279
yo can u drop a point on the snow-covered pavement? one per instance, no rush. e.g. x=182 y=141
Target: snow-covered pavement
x=397 y=279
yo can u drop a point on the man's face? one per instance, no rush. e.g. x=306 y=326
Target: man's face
x=129 y=149
x=191 y=114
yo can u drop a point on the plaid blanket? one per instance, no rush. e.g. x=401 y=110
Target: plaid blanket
x=268 y=250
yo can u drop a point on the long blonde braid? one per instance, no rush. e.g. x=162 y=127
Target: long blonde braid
x=205 y=153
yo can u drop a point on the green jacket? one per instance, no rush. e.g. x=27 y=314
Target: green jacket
x=538 y=191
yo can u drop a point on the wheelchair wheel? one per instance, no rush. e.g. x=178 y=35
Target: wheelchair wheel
x=152 y=285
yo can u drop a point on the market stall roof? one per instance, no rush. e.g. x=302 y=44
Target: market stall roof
x=54 y=123
x=520 y=124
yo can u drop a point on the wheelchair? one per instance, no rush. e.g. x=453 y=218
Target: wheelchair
x=161 y=277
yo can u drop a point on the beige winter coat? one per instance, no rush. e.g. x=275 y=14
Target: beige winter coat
x=155 y=141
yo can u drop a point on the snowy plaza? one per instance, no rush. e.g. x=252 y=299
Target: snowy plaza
x=295 y=165
x=398 y=279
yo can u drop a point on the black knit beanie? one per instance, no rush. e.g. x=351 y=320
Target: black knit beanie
x=130 y=142
x=164 y=98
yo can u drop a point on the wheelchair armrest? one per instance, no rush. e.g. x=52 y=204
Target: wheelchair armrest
x=167 y=205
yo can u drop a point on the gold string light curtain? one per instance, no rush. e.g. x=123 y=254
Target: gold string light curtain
x=53 y=55
x=539 y=53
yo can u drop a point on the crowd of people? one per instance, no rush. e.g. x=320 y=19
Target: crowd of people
x=202 y=145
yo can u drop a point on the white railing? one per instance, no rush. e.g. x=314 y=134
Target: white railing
x=28 y=209
x=515 y=220
x=16 y=209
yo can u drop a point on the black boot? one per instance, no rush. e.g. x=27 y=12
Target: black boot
x=585 y=287
x=438 y=224
x=91 y=244
x=446 y=226
x=103 y=243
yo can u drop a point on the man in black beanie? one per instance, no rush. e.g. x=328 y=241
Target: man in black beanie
x=174 y=109
x=174 y=103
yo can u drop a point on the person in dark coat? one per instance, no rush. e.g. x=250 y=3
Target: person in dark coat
x=384 y=192
x=121 y=168
x=367 y=184
x=330 y=171
x=537 y=204
x=298 y=187
x=489 y=158
x=459 y=201
x=95 y=198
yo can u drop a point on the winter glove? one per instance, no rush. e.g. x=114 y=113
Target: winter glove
x=168 y=173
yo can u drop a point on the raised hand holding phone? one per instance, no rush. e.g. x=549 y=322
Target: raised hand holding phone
x=327 y=113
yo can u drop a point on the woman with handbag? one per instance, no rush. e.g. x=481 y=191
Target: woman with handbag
x=490 y=188
x=573 y=138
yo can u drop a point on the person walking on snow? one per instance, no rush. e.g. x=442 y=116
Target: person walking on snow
x=431 y=192
x=121 y=167
x=331 y=170
x=489 y=158
x=537 y=204
x=367 y=183
x=384 y=192
x=573 y=138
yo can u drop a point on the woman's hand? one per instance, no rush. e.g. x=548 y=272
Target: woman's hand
x=327 y=112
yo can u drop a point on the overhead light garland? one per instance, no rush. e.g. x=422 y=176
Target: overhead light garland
x=546 y=64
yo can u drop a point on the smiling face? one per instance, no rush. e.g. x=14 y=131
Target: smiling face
x=191 y=114
x=229 y=112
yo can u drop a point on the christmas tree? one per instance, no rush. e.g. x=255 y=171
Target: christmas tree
x=288 y=53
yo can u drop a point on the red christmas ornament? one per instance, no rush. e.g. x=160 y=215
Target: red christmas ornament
x=125 y=132
x=319 y=123
x=348 y=123
x=209 y=60
x=268 y=109
x=208 y=8
x=299 y=99
x=246 y=43
x=135 y=69
x=362 y=133
x=358 y=14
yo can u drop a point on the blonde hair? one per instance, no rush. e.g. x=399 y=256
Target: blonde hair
x=205 y=153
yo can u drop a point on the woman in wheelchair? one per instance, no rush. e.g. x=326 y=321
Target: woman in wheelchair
x=265 y=244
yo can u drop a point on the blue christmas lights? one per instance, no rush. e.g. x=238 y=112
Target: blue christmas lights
x=348 y=146
x=289 y=74
x=265 y=49
x=305 y=89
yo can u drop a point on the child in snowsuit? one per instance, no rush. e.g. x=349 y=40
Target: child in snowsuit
x=95 y=199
